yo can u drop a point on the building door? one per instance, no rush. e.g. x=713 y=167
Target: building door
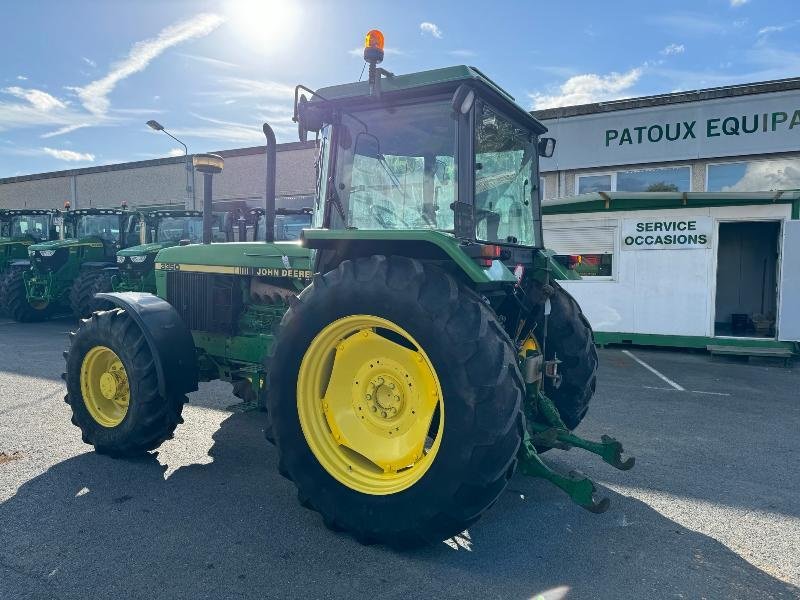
x=788 y=315
x=747 y=263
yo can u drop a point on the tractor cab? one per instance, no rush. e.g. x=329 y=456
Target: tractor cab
x=159 y=229
x=289 y=223
x=27 y=224
x=445 y=151
x=19 y=229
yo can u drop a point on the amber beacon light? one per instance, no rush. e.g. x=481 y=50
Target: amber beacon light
x=373 y=47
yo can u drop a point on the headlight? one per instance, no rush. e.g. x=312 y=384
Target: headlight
x=120 y=260
x=46 y=253
x=139 y=259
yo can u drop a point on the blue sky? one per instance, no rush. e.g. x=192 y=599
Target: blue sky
x=79 y=78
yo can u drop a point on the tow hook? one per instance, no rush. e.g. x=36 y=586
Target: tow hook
x=551 y=371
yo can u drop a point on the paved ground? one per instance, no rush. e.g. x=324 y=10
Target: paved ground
x=711 y=509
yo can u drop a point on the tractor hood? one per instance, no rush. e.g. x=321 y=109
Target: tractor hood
x=279 y=259
x=68 y=243
x=152 y=248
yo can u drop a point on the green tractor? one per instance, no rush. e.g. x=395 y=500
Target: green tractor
x=19 y=228
x=289 y=223
x=413 y=352
x=67 y=273
x=135 y=267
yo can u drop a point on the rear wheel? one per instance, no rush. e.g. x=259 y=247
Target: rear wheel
x=112 y=387
x=81 y=295
x=569 y=337
x=395 y=401
x=14 y=297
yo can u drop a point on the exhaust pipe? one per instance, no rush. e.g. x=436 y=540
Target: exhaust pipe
x=269 y=195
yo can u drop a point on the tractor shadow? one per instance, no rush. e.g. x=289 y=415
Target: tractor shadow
x=231 y=528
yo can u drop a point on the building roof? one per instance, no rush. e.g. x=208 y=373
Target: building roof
x=621 y=201
x=729 y=91
x=153 y=163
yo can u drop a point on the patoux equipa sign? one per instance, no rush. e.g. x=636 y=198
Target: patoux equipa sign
x=666 y=234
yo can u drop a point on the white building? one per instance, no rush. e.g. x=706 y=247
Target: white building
x=684 y=210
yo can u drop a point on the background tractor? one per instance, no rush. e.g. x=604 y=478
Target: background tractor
x=412 y=353
x=19 y=228
x=65 y=273
x=160 y=229
x=289 y=223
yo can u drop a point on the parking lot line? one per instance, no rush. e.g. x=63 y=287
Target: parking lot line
x=654 y=371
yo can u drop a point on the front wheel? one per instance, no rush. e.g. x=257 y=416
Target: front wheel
x=112 y=387
x=14 y=298
x=81 y=295
x=395 y=401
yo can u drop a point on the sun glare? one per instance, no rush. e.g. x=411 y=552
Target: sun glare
x=265 y=25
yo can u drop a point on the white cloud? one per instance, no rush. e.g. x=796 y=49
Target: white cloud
x=774 y=29
x=240 y=87
x=214 y=62
x=736 y=3
x=462 y=53
x=588 y=88
x=22 y=78
x=94 y=96
x=69 y=155
x=431 y=28
x=228 y=131
x=38 y=99
x=65 y=129
x=176 y=152
x=673 y=49
x=89 y=61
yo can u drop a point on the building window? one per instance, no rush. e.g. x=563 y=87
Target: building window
x=542 y=188
x=671 y=179
x=664 y=179
x=589 y=250
x=595 y=183
x=754 y=176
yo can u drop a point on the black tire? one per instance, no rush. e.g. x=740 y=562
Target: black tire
x=569 y=337
x=150 y=419
x=481 y=384
x=14 y=298
x=81 y=294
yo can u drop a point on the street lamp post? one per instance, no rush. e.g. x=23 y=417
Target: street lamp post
x=156 y=126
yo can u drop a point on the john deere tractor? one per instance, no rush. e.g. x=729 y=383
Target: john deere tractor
x=64 y=273
x=289 y=223
x=135 y=267
x=19 y=228
x=413 y=352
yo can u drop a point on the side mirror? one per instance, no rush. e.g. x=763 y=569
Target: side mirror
x=547 y=146
x=302 y=129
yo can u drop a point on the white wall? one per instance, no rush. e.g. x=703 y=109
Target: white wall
x=670 y=292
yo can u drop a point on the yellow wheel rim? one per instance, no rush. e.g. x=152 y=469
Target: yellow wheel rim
x=39 y=304
x=104 y=386
x=370 y=405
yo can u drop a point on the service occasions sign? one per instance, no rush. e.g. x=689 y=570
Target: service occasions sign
x=668 y=233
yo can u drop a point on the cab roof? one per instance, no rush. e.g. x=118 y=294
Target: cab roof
x=11 y=212
x=99 y=211
x=442 y=80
